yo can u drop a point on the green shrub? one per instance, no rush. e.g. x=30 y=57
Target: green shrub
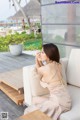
x=17 y=39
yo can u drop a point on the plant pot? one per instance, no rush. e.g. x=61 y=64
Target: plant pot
x=16 y=49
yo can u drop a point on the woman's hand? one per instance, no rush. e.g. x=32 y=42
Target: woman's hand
x=38 y=60
x=38 y=56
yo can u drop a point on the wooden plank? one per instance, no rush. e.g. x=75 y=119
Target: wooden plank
x=8 y=84
x=12 y=93
x=20 y=90
x=35 y=115
x=7 y=81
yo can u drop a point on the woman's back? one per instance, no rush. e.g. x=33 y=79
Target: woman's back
x=52 y=74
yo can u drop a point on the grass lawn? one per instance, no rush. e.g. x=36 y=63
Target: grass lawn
x=33 y=44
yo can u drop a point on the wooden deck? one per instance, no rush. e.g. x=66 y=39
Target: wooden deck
x=7 y=105
x=8 y=64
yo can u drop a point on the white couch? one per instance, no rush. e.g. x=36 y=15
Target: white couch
x=71 y=67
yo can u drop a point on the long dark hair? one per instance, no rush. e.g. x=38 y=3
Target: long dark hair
x=52 y=52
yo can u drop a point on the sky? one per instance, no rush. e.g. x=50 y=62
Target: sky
x=7 y=10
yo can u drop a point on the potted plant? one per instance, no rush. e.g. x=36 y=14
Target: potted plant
x=15 y=44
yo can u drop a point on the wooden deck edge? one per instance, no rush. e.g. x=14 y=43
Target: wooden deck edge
x=12 y=94
x=20 y=90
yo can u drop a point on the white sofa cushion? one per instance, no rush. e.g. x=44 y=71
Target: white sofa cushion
x=37 y=89
x=64 y=62
x=74 y=113
x=73 y=68
x=32 y=87
x=30 y=74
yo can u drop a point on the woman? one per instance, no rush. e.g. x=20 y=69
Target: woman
x=49 y=68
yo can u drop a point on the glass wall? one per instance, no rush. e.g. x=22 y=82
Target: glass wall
x=61 y=25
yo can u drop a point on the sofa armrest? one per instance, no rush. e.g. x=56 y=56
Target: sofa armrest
x=26 y=83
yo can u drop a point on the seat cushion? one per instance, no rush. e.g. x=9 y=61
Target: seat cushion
x=74 y=113
x=73 y=69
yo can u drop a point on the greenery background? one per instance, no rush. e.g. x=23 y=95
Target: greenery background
x=30 y=42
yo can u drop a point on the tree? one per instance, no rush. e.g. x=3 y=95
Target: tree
x=16 y=2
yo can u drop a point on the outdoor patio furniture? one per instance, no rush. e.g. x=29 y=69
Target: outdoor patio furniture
x=71 y=66
x=13 y=94
x=11 y=83
x=13 y=79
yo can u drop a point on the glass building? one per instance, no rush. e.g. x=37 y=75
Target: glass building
x=61 y=24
